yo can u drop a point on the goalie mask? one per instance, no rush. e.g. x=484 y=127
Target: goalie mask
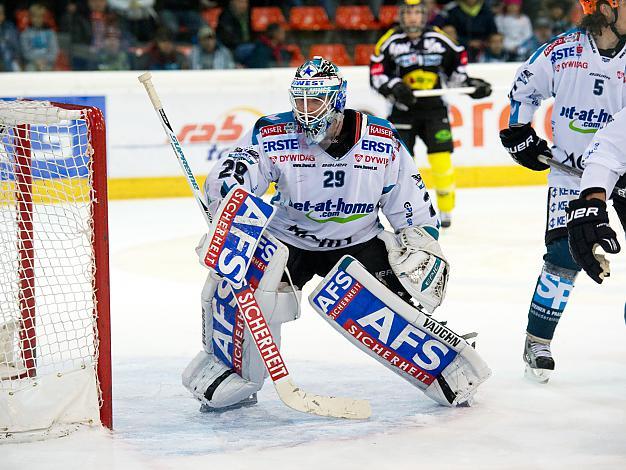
x=318 y=96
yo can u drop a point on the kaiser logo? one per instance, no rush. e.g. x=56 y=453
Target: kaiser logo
x=277 y=129
x=380 y=131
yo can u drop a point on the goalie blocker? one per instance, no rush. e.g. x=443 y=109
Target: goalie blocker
x=413 y=345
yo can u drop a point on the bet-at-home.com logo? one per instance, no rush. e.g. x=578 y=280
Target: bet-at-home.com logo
x=338 y=211
x=585 y=121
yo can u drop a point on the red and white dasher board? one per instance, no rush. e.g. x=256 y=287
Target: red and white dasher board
x=210 y=110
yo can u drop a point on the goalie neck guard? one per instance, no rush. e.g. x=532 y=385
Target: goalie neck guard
x=318 y=96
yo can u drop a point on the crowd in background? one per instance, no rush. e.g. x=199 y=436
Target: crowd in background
x=206 y=34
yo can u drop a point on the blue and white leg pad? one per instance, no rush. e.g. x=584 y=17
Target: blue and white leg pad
x=230 y=369
x=413 y=345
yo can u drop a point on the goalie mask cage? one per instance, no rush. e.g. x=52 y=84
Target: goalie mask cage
x=55 y=365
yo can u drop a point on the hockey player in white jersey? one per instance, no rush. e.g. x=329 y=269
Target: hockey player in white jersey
x=587 y=218
x=584 y=70
x=334 y=170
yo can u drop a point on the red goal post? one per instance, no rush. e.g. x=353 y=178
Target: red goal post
x=55 y=348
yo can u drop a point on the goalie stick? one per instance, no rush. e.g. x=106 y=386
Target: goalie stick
x=292 y=395
x=617 y=191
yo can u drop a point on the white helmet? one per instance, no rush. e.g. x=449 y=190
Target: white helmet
x=317 y=95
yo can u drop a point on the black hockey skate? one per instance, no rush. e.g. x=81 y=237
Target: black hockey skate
x=250 y=401
x=538 y=359
x=446 y=219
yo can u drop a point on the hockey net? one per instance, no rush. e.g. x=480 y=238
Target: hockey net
x=55 y=372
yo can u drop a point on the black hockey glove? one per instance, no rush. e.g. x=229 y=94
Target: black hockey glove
x=619 y=203
x=587 y=227
x=403 y=94
x=524 y=145
x=483 y=88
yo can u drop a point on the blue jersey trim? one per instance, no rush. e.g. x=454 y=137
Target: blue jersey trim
x=385 y=123
x=514 y=113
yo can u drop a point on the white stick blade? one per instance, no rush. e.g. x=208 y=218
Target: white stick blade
x=335 y=407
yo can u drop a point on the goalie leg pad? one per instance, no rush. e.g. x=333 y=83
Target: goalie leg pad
x=226 y=340
x=413 y=345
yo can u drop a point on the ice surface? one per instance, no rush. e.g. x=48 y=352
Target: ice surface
x=495 y=246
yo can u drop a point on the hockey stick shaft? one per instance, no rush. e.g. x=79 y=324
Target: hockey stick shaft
x=289 y=393
x=146 y=81
x=617 y=191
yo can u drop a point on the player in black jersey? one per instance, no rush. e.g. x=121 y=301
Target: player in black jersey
x=413 y=57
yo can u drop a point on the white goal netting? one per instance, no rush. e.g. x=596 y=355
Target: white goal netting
x=48 y=302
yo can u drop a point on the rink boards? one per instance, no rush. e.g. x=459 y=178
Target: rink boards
x=211 y=110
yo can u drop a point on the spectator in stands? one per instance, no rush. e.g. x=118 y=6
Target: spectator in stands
x=433 y=14
x=514 y=26
x=269 y=50
x=39 y=43
x=175 y=14
x=162 y=54
x=473 y=22
x=210 y=54
x=558 y=14
x=541 y=34
x=137 y=17
x=83 y=32
x=495 y=51
x=9 y=44
x=233 y=26
x=112 y=56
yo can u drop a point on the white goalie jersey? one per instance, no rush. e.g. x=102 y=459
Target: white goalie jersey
x=588 y=90
x=325 y=203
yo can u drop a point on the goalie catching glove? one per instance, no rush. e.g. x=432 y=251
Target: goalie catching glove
x=418 y=262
